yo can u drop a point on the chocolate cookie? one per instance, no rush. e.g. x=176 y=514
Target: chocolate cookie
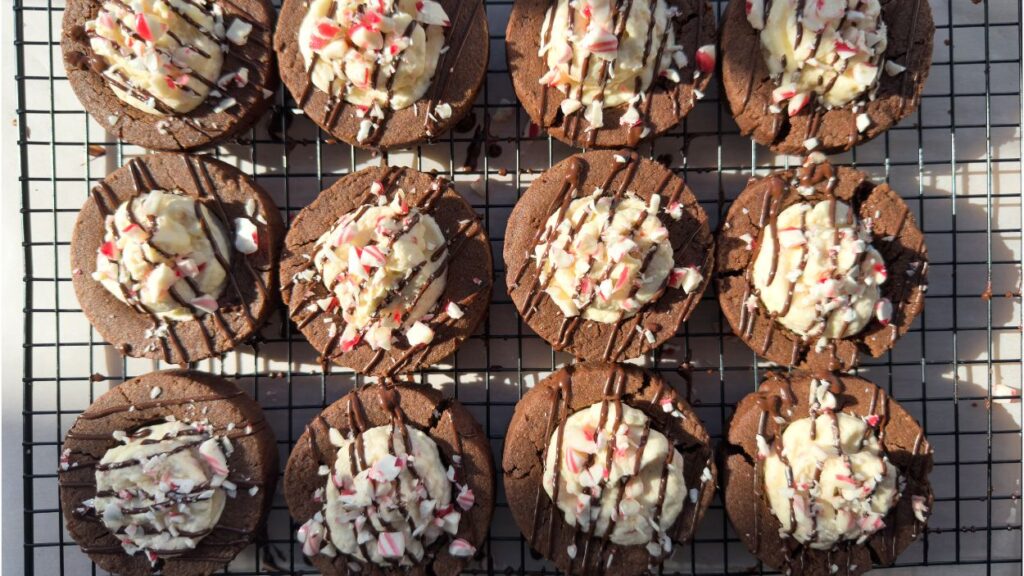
x=367 y=275
x=815 y=294
x=617 y=519
x=869 y=68
x=172 y=472
x=170 y=76
x=366 y=500
x=386 y=74
x=871 y=495
x=174 y=257
x=607 y=254
x=640 y=78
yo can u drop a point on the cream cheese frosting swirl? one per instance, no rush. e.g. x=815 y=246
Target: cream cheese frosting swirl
x=390 y=504
x=373 y=53
x=385 y=266
x=821 y=277
x=163 y=252
x=163 y=489
x=163 y=56
x=602 y=54
x=607 y=256
x=829 y=481
x=593 y=463
x=828 y=50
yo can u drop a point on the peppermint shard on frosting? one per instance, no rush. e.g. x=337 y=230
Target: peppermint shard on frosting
x=601 y=55
x=166 y=56
x=827 y=51
x=164 y=488
x=391 y=506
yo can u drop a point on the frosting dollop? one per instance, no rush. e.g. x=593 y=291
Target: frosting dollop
x=606 y=256
x=385 y=266
x=162 y=252
x=601 y=56
x=388 y=499
x=373 y=53
x=162 y=56
x=823 y=282
x=831 y=50
x=830 y=480
x=163 y=489
x=611 y=476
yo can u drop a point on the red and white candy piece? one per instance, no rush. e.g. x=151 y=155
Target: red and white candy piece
x=755 y=13
x=883 y=311
x=206 y=303
x=391 y=544
x=460 y=548
x=247 y=240
x=431 y=12
x=706 y=58
x=601 y=43
x=419 y=334
x=465 y=499
x=791 y=237
x=453 y=311
x=211 y=453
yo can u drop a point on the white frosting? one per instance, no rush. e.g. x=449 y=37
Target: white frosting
x=587 y=496
x=593 y=35
x=368 y=256
x=139 y=45
x=163 y=249
x=595 y=254
x=838 y=56
x=367 y=44
x=835 y=286
x=394 y=508
x=172 y=498
x=855 y=486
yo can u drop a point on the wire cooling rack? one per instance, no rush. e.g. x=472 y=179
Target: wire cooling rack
x=956 y=161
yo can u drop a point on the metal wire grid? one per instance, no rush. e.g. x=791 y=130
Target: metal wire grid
x=957 y=162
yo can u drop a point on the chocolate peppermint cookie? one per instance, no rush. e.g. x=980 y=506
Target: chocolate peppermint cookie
x=170 y=74
x=391 y=478
x=607 y=254
x=368 y=275
x=174 y=257
x=825 y=475
x=824 y=75
x=609 y=73
x=383 y=73
x=606 y=469
x=819 y=264
x=172 y=472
